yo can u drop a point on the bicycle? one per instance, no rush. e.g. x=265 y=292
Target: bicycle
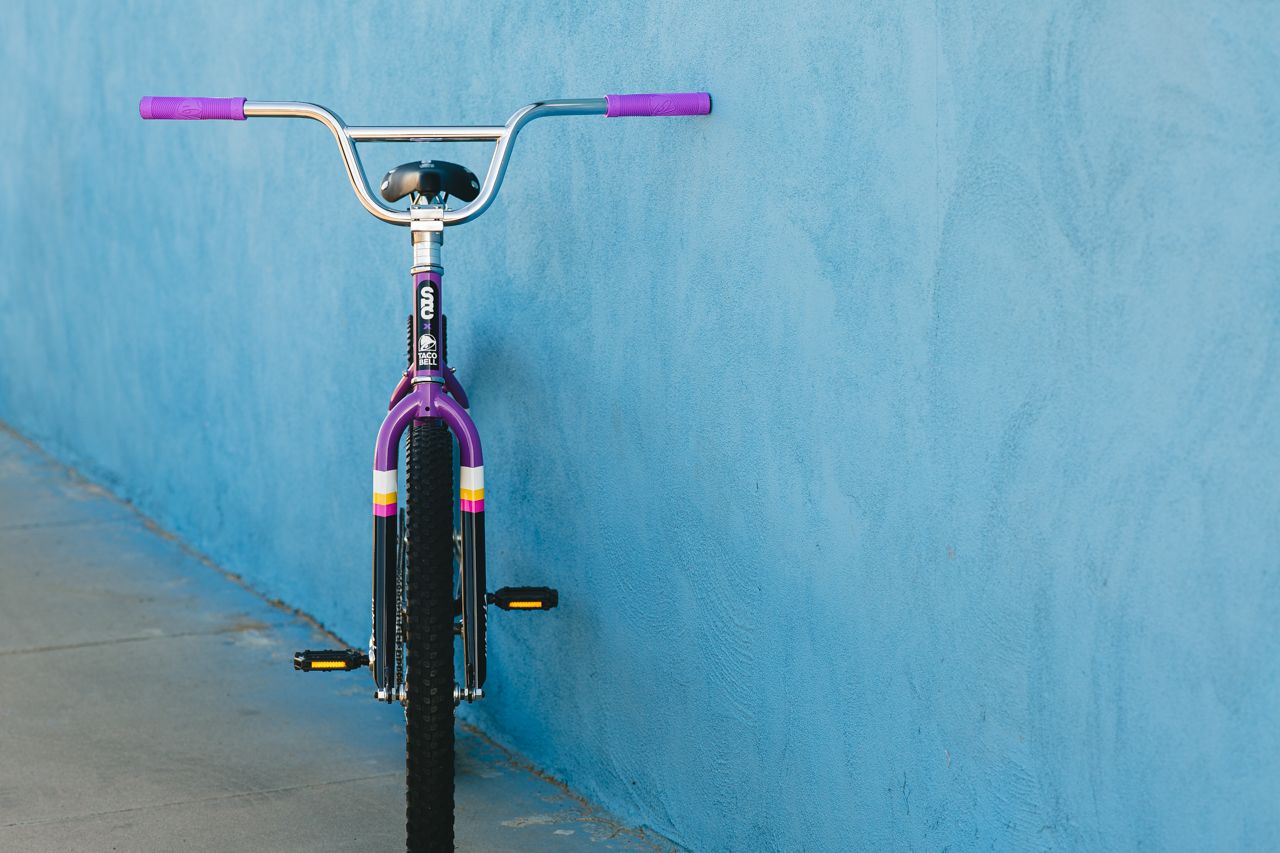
x=417 y=610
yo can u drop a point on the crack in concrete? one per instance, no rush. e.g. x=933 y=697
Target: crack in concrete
x=197 y=800
x=41 y=525
x=141 y=638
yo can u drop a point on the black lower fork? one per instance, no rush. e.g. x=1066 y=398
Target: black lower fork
x=386 y=606
x=471 y=589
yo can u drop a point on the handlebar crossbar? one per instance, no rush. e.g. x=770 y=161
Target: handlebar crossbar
x=503 y=136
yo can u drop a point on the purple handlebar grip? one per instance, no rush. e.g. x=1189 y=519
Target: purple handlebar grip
x=192 y=109
x=659 y=104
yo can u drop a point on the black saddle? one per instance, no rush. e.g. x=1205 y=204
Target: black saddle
x=429 y=178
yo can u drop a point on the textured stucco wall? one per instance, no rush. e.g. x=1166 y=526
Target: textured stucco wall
x=907 y=448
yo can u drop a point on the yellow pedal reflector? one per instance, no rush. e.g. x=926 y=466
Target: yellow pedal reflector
x=524 y=598
x=331 y=659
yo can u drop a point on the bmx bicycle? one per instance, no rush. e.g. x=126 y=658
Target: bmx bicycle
x=420 y=603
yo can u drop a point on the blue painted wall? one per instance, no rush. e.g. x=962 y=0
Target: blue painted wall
x=907 y=449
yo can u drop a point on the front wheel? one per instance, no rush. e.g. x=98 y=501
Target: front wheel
x=427 y=558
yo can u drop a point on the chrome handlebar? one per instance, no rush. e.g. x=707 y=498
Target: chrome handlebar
x=503 y=136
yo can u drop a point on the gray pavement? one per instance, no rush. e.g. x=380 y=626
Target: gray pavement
x=147 y=704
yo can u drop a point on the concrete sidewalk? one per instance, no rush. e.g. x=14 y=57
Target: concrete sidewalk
x=147 y=703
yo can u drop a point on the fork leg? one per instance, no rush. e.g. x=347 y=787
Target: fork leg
x=471 y=504
x=385 y=535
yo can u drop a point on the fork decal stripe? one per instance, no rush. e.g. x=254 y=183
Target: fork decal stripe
x=384 y=492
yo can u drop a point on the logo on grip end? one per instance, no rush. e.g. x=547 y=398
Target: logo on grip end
x=662 y=106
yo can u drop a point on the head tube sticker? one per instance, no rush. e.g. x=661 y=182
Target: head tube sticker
x=428 y=357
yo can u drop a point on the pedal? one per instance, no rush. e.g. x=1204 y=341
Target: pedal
x=525 y=598
x=341 y=659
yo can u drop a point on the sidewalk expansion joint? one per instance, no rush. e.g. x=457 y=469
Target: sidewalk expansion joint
x=142 y=638
x=41 y=525
x=286 y=789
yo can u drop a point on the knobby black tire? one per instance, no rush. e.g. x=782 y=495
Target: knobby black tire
x=429 y=637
